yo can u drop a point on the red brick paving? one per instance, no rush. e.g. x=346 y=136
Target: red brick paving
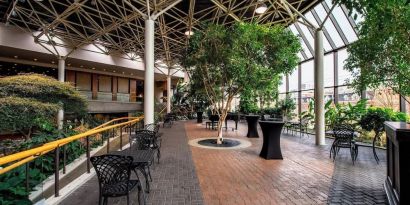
x=242 y=177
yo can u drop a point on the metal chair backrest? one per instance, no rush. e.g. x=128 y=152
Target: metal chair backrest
x=343 y=133
x=152 y=127
x=112 y=169
x=143 y=139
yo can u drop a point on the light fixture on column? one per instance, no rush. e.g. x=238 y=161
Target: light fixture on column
x=261 y=7
x=189 y=33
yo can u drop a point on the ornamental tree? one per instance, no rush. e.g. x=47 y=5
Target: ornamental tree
x=381 y=55
x=230 y=59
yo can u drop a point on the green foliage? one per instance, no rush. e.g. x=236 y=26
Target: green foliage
x=381 y=55
x=286 y=107
x=244 y=55
x=344 y=113
x=43 y=89
x=22 y=114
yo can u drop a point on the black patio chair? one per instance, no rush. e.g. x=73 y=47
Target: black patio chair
x=147 y=139
x=344 y=138
x=113 y=174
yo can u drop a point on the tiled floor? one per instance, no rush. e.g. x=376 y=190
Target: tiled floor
x=306 y=175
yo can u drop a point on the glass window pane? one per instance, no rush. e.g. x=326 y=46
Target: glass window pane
x=294 y=97
x=307 y=34
x=344 y=24
x=408 y=105
x=383 y=97
x=308 y=81
x=307 y=96
x=83 y=81
x=328 y=70
x=326 y=44
x=329 y=26
x=329 y=94
x=347 y=95
x=282 y=86
x=304 y=47
x=343 y=75
x=293 y=81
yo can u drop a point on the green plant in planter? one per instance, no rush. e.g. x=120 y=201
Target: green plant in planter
x=286 y=106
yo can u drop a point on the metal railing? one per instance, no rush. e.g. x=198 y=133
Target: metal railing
x=24 y=157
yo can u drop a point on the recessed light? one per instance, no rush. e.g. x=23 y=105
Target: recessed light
x=69 y=64
x=15 y=64
x=35 y=59
x=189 y=33
x=104 y=69
x=52 y=62
x=114 y=71
x=81 y=66
x=132 y=74
x=123 y=72
x=15 y=56
x=93 y=68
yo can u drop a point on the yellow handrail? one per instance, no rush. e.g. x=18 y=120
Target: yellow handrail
x=31 y=154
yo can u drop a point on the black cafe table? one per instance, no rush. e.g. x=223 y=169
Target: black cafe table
x=252 y=121
x=142 y=160
x=271 y=139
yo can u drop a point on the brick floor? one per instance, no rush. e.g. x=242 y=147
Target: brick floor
x=174 y=178
x=192 y=175
x=305 y=176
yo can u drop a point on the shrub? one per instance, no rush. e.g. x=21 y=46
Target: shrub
x=43 y=89
x=23 y=115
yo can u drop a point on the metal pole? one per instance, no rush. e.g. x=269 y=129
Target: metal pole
x=149 y=72
x=169 y=94
x=319 y=89
x=61 y=78
x=56 y=172
x=121 y=138
x=88 y=154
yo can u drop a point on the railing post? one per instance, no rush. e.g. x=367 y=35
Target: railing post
x=121 y=138
x=27 y=177
x=108 y=141
x=88 y=153
x=56 y=172
x=64 y=158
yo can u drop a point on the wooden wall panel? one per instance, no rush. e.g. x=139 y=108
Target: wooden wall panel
x=83 y=81
x=114 y=88
x=104 y=83
x=133 y=90
x=70 y=77
x=123 y=85
x=95 y=86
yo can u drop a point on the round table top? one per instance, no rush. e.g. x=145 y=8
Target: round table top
x=271 y=122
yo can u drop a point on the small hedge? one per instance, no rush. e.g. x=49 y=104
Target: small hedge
x=44 y=89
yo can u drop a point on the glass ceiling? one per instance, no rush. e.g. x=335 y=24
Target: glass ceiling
x=339 y=29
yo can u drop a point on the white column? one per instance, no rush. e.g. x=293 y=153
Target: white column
x=319 y=89
x=61 y=78
x=169 y=94
x=149 y=72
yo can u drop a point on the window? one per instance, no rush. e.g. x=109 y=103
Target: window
x=347 y=95
x=282 y=86
x=329 y=70
x=293 y=81
x=308 y=81
x=343 y=75
x=383 y=97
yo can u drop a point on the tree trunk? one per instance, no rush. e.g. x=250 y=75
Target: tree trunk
x=220 y=124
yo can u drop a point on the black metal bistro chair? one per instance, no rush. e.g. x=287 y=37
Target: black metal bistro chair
x=113 y=174
x=148 y=139
x=344 y=138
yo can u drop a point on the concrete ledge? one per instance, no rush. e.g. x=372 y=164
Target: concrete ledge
x=95 y=106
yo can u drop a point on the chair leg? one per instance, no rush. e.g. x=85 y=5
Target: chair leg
x=99 y=199
x=105 y=201
x=128 y=198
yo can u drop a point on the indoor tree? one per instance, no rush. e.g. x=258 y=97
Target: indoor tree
x=381 y=55
x=230 y=58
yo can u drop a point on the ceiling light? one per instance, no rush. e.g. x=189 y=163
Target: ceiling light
x=52 y=62
x=69 y=64
x=81 y=66
x=113 y=71
x=15 y=56
x=93 y=68
x=189 y=33
x=261 y=7
x=35 y=59
x=104 y=69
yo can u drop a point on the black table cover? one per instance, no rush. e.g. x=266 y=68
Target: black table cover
x=271 y=139
x=252 y=121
